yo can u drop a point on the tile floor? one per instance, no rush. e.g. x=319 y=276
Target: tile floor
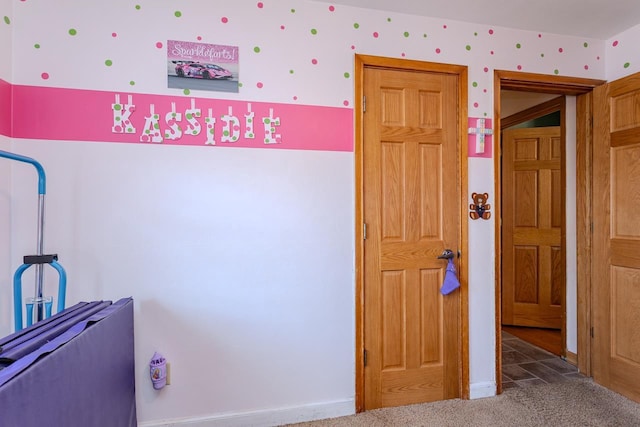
x=524 y=364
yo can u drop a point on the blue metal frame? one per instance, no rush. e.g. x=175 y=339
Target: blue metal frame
x=17 y=278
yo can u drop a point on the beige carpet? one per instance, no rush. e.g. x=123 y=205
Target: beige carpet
x=578 y=402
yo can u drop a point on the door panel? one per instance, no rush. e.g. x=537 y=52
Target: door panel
x=412 y=211
x=616 y=238
x=533 y=276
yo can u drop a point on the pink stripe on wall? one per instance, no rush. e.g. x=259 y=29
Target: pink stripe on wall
x=5 y=108
x=87 y=115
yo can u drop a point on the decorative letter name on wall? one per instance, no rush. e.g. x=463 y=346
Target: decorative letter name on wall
x=168 y=120
x=170 y=127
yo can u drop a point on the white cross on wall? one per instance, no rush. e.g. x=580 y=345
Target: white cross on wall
x=480 y=131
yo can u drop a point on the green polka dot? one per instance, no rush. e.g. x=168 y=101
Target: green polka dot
x=627 y=64
x=189 y=116
x=256 y=49
x=388 y=19
x=556 y=71
x=475 y=34
x=542 y=55
x=293 y=11
x=73 y=32
x=356 y=25
x=474 y=84
x=290 y=71
x=314 y=31
x=177 y=14
x=586 y=44
x=518 y=45
x=225 y=133
x=468 y=47
x=240 y=84
x=406 y=33
x=7 y=20
x=251 y=135
x=117 y=107
x=156 y=125
x=347 y=75
x=424 y=35
x=108 y=63
x=37 y=45
x=186 y=91
x=132 y=83
x=267 y=121
x=138 y=7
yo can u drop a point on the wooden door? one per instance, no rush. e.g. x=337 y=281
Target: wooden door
x=616 y=237
x=533 y=266
x=412 y=333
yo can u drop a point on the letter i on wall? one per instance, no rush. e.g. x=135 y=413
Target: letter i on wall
x=248 y=123
x=210 y=121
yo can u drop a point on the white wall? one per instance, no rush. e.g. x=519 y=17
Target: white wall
x=622 y=54
x=6 y=295
x=240 y=261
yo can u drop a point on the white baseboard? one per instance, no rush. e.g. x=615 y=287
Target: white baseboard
x=266 y=418
x=483 y=389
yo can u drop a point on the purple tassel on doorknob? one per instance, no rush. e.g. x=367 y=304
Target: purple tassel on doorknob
x=451 y=282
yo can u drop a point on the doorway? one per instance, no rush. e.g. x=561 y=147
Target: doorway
x=582 y=89
x=533 y=145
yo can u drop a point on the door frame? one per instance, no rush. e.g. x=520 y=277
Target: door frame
x=362 y=61
x=582 y=88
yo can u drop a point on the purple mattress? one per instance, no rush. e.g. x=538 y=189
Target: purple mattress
x=73 y=369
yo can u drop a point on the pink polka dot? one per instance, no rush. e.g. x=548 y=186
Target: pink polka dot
x=519 y=67
x=199 y=38
x=403 y=54
x=586 y=67
x=615 y=43
x=45 y=76
x=159 y=45
x=114 y=34
x=236 y=127
x=491 y=52
x=282 y=27
x=560 y=50
x=332 y=8
x=260 y=85
x=598 y=58
x=539 y=36
x=444 y=26
x=485 y=91
x=295 y=98
x=486 y=69
x=118 y=128
x=491 y=32
x=224 y=20
x=375 y=34
x=475 y=104
x=260 y=5
x=345 y=103
x=314 y=61
x=438 y=50
x=353 y=47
